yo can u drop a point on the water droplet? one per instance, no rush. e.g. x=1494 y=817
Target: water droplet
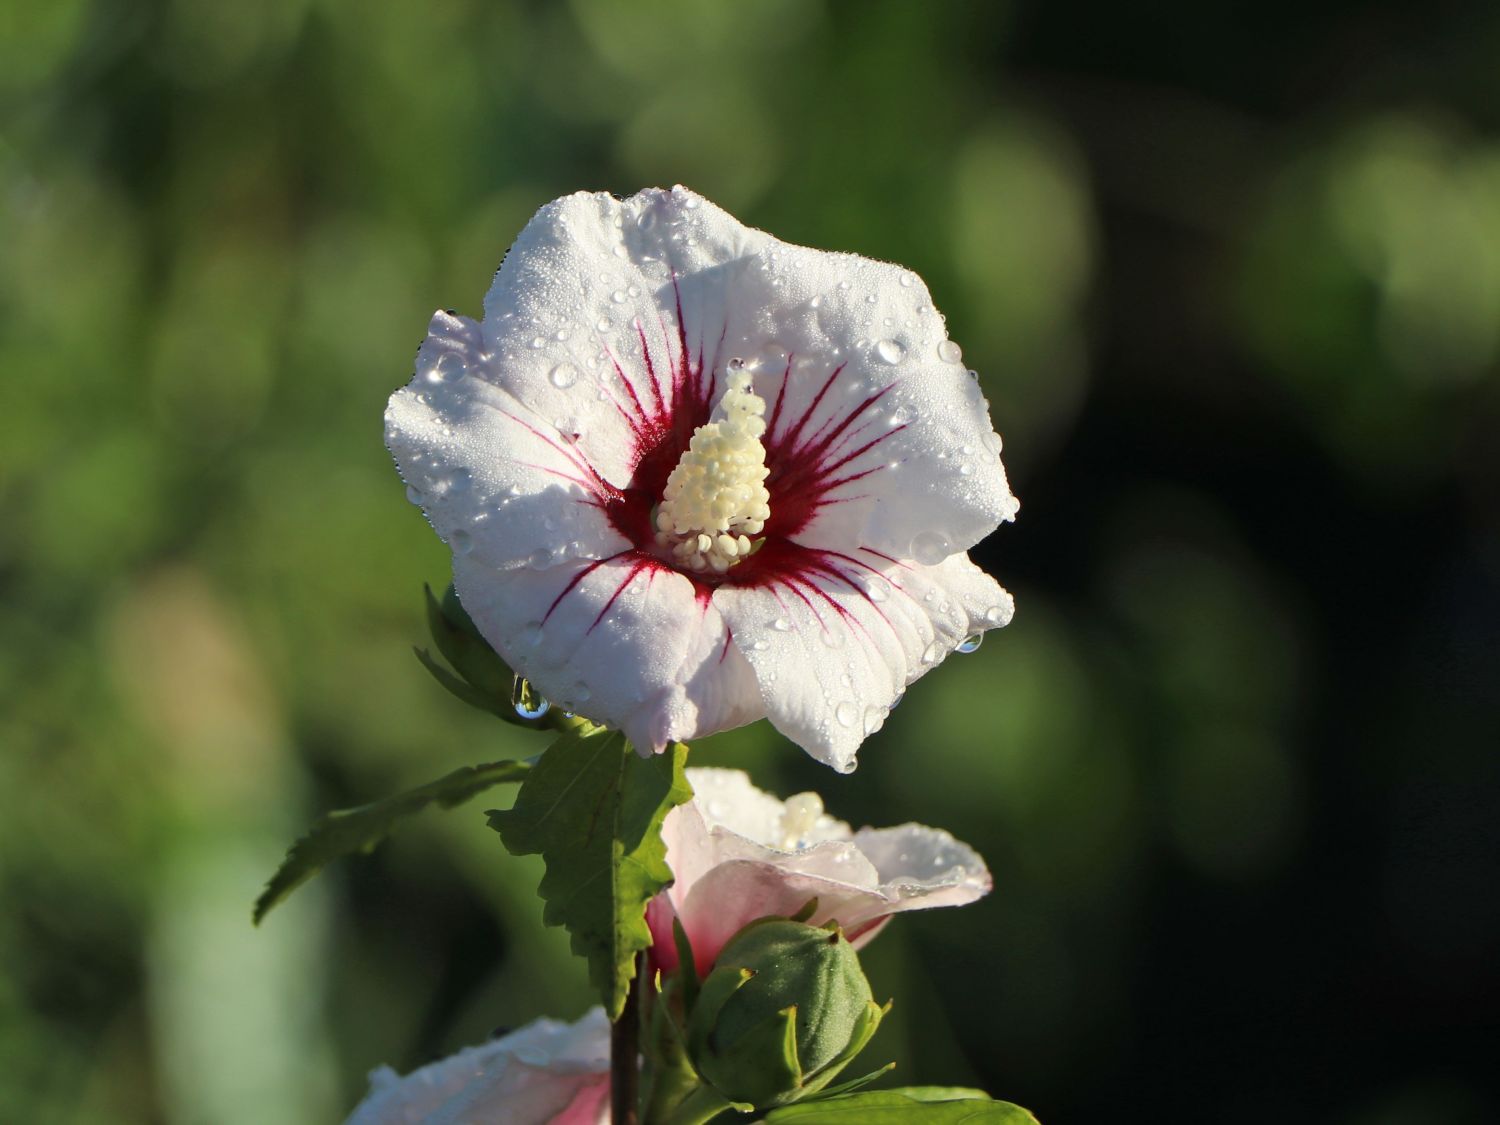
x=907 y=280
x=815 y=302
x=969 y=644
x=781 y=624
x=448 y=369
x=931 y=653
x=965 y=469
x=949 y=352
x=531 y=635
x=603 y=324
x=414 y=494
x=533 y=1056
x=877 y=588
x=993 y=443
x=537 y=342
x=453 y=482
x=995 y=615
x=849 y=766
x=874 y=719
x=929 y=547
x=760 y=645
x=618 y=296
x=562 y=376
x=540 y=559
x=647 y=221
x=633 y=290
x=846 y=713
x=461 y=541
x=581 y=694
x=526 y=700
x=844 y=285
x=889 y=351
x=833 y=636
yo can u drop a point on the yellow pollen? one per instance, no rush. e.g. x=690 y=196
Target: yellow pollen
x=716 y=497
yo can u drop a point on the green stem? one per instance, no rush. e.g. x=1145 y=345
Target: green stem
x=702 y=1105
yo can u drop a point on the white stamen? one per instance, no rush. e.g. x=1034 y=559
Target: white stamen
x=798 y=818
x=716 y=497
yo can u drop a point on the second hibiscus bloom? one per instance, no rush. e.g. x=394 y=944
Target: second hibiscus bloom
x=693 y=476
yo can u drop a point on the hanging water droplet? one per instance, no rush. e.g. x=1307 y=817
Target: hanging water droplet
x=931 y=653
x=929 y=548
x=969 y=644
x=461 y=541
x=526 y=700
x=874 y=719
x=563 y=376
x=847 y=767
x=949 y=352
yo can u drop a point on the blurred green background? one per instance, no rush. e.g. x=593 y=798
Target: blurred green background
x=1231 y=275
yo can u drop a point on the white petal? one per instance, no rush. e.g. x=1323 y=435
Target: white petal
x=496 y=479
x=532 y=1075
x=835 y=639
x=920 y=867
x=623 y=641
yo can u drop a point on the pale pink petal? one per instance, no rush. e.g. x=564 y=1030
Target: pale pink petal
x=547 y=1072
x=624 y=640
x=835 y=637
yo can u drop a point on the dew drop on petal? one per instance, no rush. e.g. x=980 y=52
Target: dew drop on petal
x=995 y=615
x=969 y=644
x=461 y=542
x=833 y=637
x=931 y=653
x=618 y=296
x=562 y=376
x=846 y=713
x=781 y=625
x=760 y=645
x=448 y=369
x=581 y=694
x=907 y=281
x=414 y=494
x=874 y=719
x=533 y=1056
x=603 y=324
x=949 y=352
x=540 y=559
x=930 y=548
x=849 y=766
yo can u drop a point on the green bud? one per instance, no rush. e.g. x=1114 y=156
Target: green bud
x=785 y=1008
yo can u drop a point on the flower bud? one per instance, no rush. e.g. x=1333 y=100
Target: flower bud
x=785 y=1008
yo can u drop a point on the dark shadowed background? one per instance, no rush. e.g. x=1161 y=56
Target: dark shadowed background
x=1231 y=278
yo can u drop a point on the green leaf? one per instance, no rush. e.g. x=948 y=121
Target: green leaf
x=928 y=1105
x=593 y=809
x=346 y=831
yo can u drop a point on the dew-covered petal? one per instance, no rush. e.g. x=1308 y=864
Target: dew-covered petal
x=624 y=641
x=498 y=481
x=835 y=638
x=547 y=1071
x=877 y=432
x=920 y=867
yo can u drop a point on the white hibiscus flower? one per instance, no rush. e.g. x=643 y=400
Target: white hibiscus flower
x=738 y=854
x=547 y=1072
x=693 y=476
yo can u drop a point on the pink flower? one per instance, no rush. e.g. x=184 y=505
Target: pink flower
x=693 y=476
x=547 y=1073
x=738 y=854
